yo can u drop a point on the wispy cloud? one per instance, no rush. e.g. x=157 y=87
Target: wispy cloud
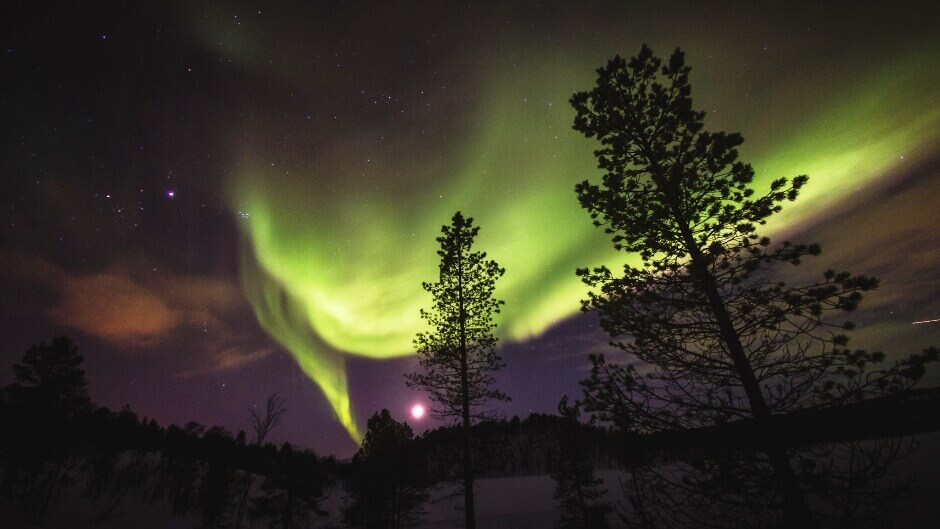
x=135 y=309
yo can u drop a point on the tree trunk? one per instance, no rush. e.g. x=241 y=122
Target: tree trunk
x=469 y=514
x=584 y=510
x=244 y=500
x=396 y=507
x=795 y=513
x=288 y=510
x=50 y=493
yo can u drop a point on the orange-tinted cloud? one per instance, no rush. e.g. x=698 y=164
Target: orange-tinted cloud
x=113 y=307
x=131 y=307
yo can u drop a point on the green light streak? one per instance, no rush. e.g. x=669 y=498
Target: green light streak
x=887 y=120
x=334 y=269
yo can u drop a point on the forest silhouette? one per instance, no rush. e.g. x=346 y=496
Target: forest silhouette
x=734 y=399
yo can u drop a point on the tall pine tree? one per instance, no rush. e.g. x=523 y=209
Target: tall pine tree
x=385 y=488
x=458 y=354
x=722 y=335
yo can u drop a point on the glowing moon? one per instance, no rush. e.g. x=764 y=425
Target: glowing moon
x=417 y=411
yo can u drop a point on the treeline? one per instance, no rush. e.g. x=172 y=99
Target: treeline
x=57 y=439
x=516 y=447
x=59 y=443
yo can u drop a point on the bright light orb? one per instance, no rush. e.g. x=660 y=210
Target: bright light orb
x=417 y=411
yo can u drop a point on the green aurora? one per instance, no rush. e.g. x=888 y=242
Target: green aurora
x=333 y=261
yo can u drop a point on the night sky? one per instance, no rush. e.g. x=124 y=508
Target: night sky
x=221 y=200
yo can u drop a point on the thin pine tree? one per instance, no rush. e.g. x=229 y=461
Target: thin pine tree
x=458 y=354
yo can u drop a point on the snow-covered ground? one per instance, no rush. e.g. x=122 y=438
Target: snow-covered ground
x=515 y=503
x=502 y=503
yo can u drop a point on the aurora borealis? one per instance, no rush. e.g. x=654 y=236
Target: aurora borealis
x=315 y=151
x=345 y=266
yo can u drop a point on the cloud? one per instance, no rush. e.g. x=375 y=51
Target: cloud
x=113 y=307
x=136 y=308
x=229 y=359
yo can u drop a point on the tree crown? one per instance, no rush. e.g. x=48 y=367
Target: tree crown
x=665 y=174
x=461 y=326
x=51 y=374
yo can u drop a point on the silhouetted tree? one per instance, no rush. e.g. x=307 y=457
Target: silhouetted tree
x=181 y=466
x=48 y=391
x=384 y=486
x=292 y=490
x=215 y=488
x=578 y=492
x=458 y=354
x=114 y=472
x=724 y=337
x=262 y=424
x=280 y=507
x=51 y=378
